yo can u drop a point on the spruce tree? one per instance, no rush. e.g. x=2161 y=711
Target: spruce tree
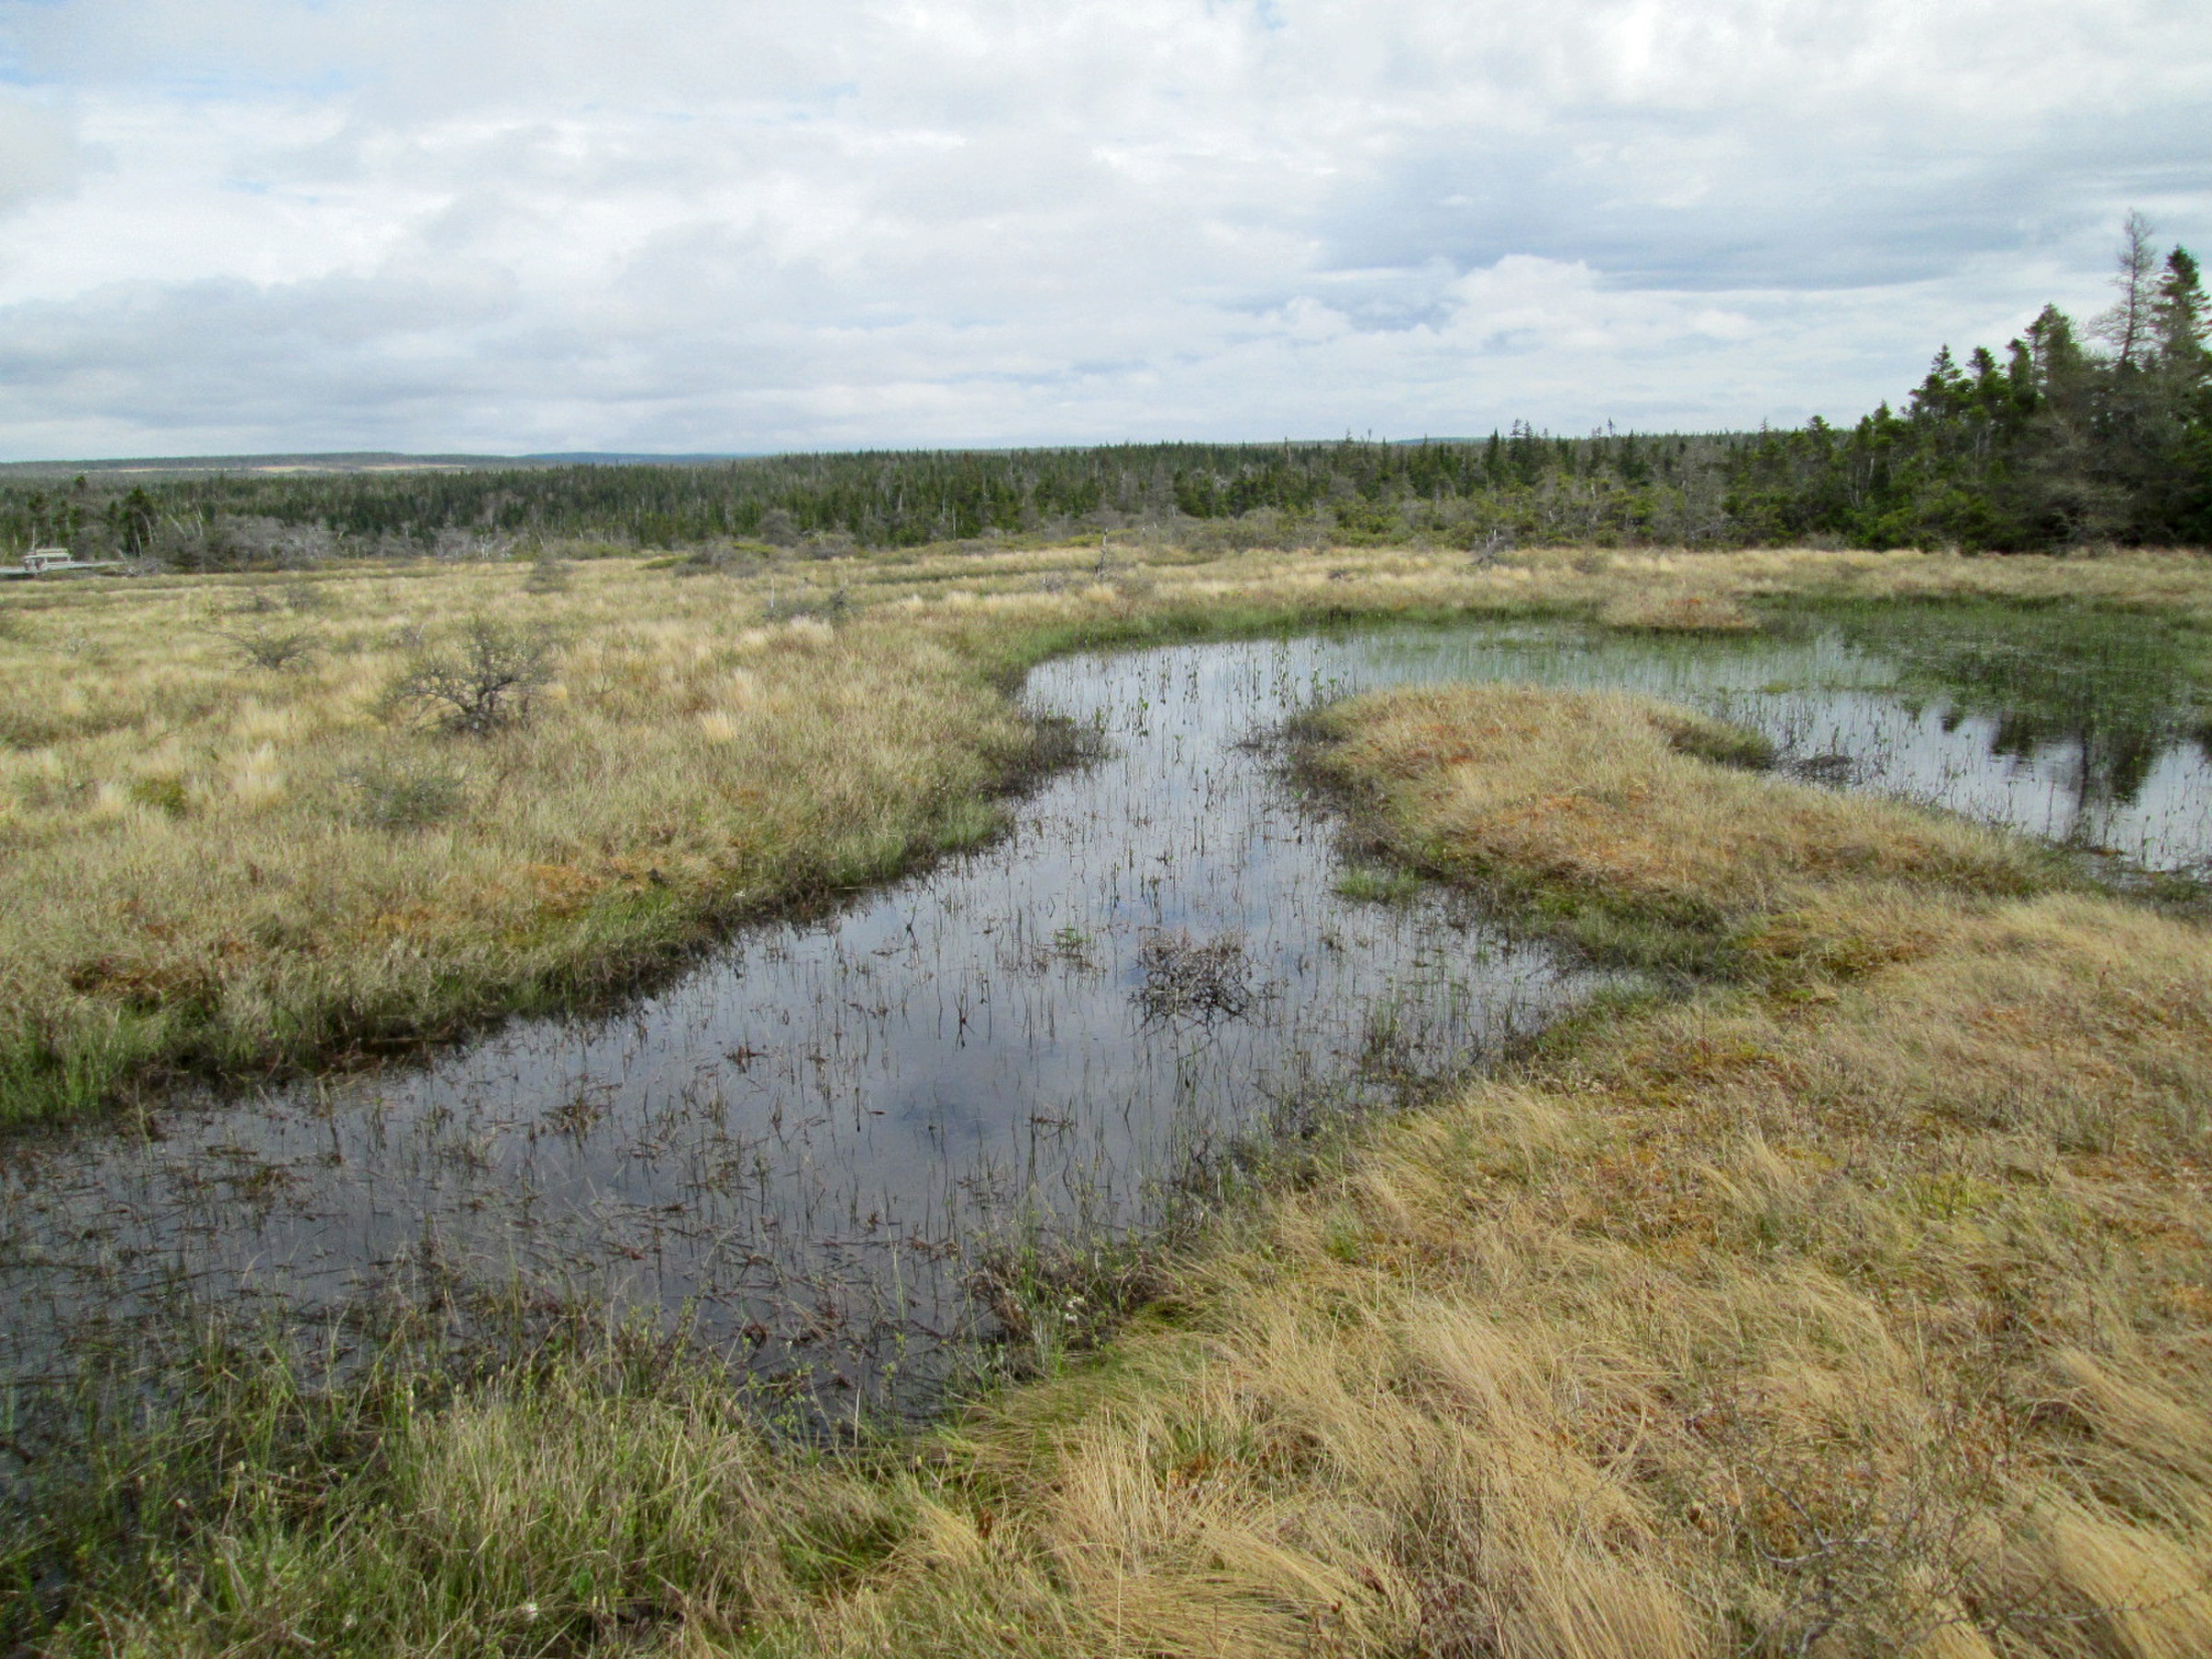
x=2127 y=327
x=2180 y=317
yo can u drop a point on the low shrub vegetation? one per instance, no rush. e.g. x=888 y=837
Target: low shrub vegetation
x=484 y=680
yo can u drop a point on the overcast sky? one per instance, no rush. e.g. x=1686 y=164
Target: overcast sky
x=232 y=226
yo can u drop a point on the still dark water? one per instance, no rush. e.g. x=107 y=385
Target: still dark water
x=807 y=1144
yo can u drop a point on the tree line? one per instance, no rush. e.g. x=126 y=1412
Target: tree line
x=1517 y=486
x=2077 y=436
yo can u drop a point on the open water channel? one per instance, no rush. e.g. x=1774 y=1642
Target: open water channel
x=805 y=1144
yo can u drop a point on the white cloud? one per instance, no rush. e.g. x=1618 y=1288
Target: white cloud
x=269 y=224
x=39 y=153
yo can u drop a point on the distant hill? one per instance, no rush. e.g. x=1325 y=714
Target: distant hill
x=359 y=461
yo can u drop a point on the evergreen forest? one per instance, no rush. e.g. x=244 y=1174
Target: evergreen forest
x=2074 y=436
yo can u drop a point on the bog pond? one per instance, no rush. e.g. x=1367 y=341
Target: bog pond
x=805 y=1145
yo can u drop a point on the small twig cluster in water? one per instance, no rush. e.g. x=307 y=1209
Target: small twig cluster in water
x=1182 y=975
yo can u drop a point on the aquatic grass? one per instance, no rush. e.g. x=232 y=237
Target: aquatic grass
x=1377 y=884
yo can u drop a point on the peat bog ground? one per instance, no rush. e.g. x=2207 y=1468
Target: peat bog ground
x=760 y=1205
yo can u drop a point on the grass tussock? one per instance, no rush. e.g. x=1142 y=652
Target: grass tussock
x=1677 y=612
x=1641 y=829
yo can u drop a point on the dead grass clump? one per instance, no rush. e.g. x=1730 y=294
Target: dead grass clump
x=1606 y=800
x=1677 y=613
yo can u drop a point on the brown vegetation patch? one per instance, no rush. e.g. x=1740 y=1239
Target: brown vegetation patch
x=1677 y=613
x=1604 y=797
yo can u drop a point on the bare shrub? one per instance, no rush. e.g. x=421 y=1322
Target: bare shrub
x=277 y=649
x=229 y=542
x=473 y=544
x=1263 y=528
x=829 y=544
x=1487 y=548
x=256 y=601
x=830 y=607
x=480 y=683
x=725 y=559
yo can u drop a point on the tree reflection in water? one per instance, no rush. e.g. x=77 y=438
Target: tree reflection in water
x=2115 y=686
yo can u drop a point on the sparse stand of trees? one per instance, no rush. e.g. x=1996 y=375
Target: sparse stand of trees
x=2067 y=441
x=2077 y=438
